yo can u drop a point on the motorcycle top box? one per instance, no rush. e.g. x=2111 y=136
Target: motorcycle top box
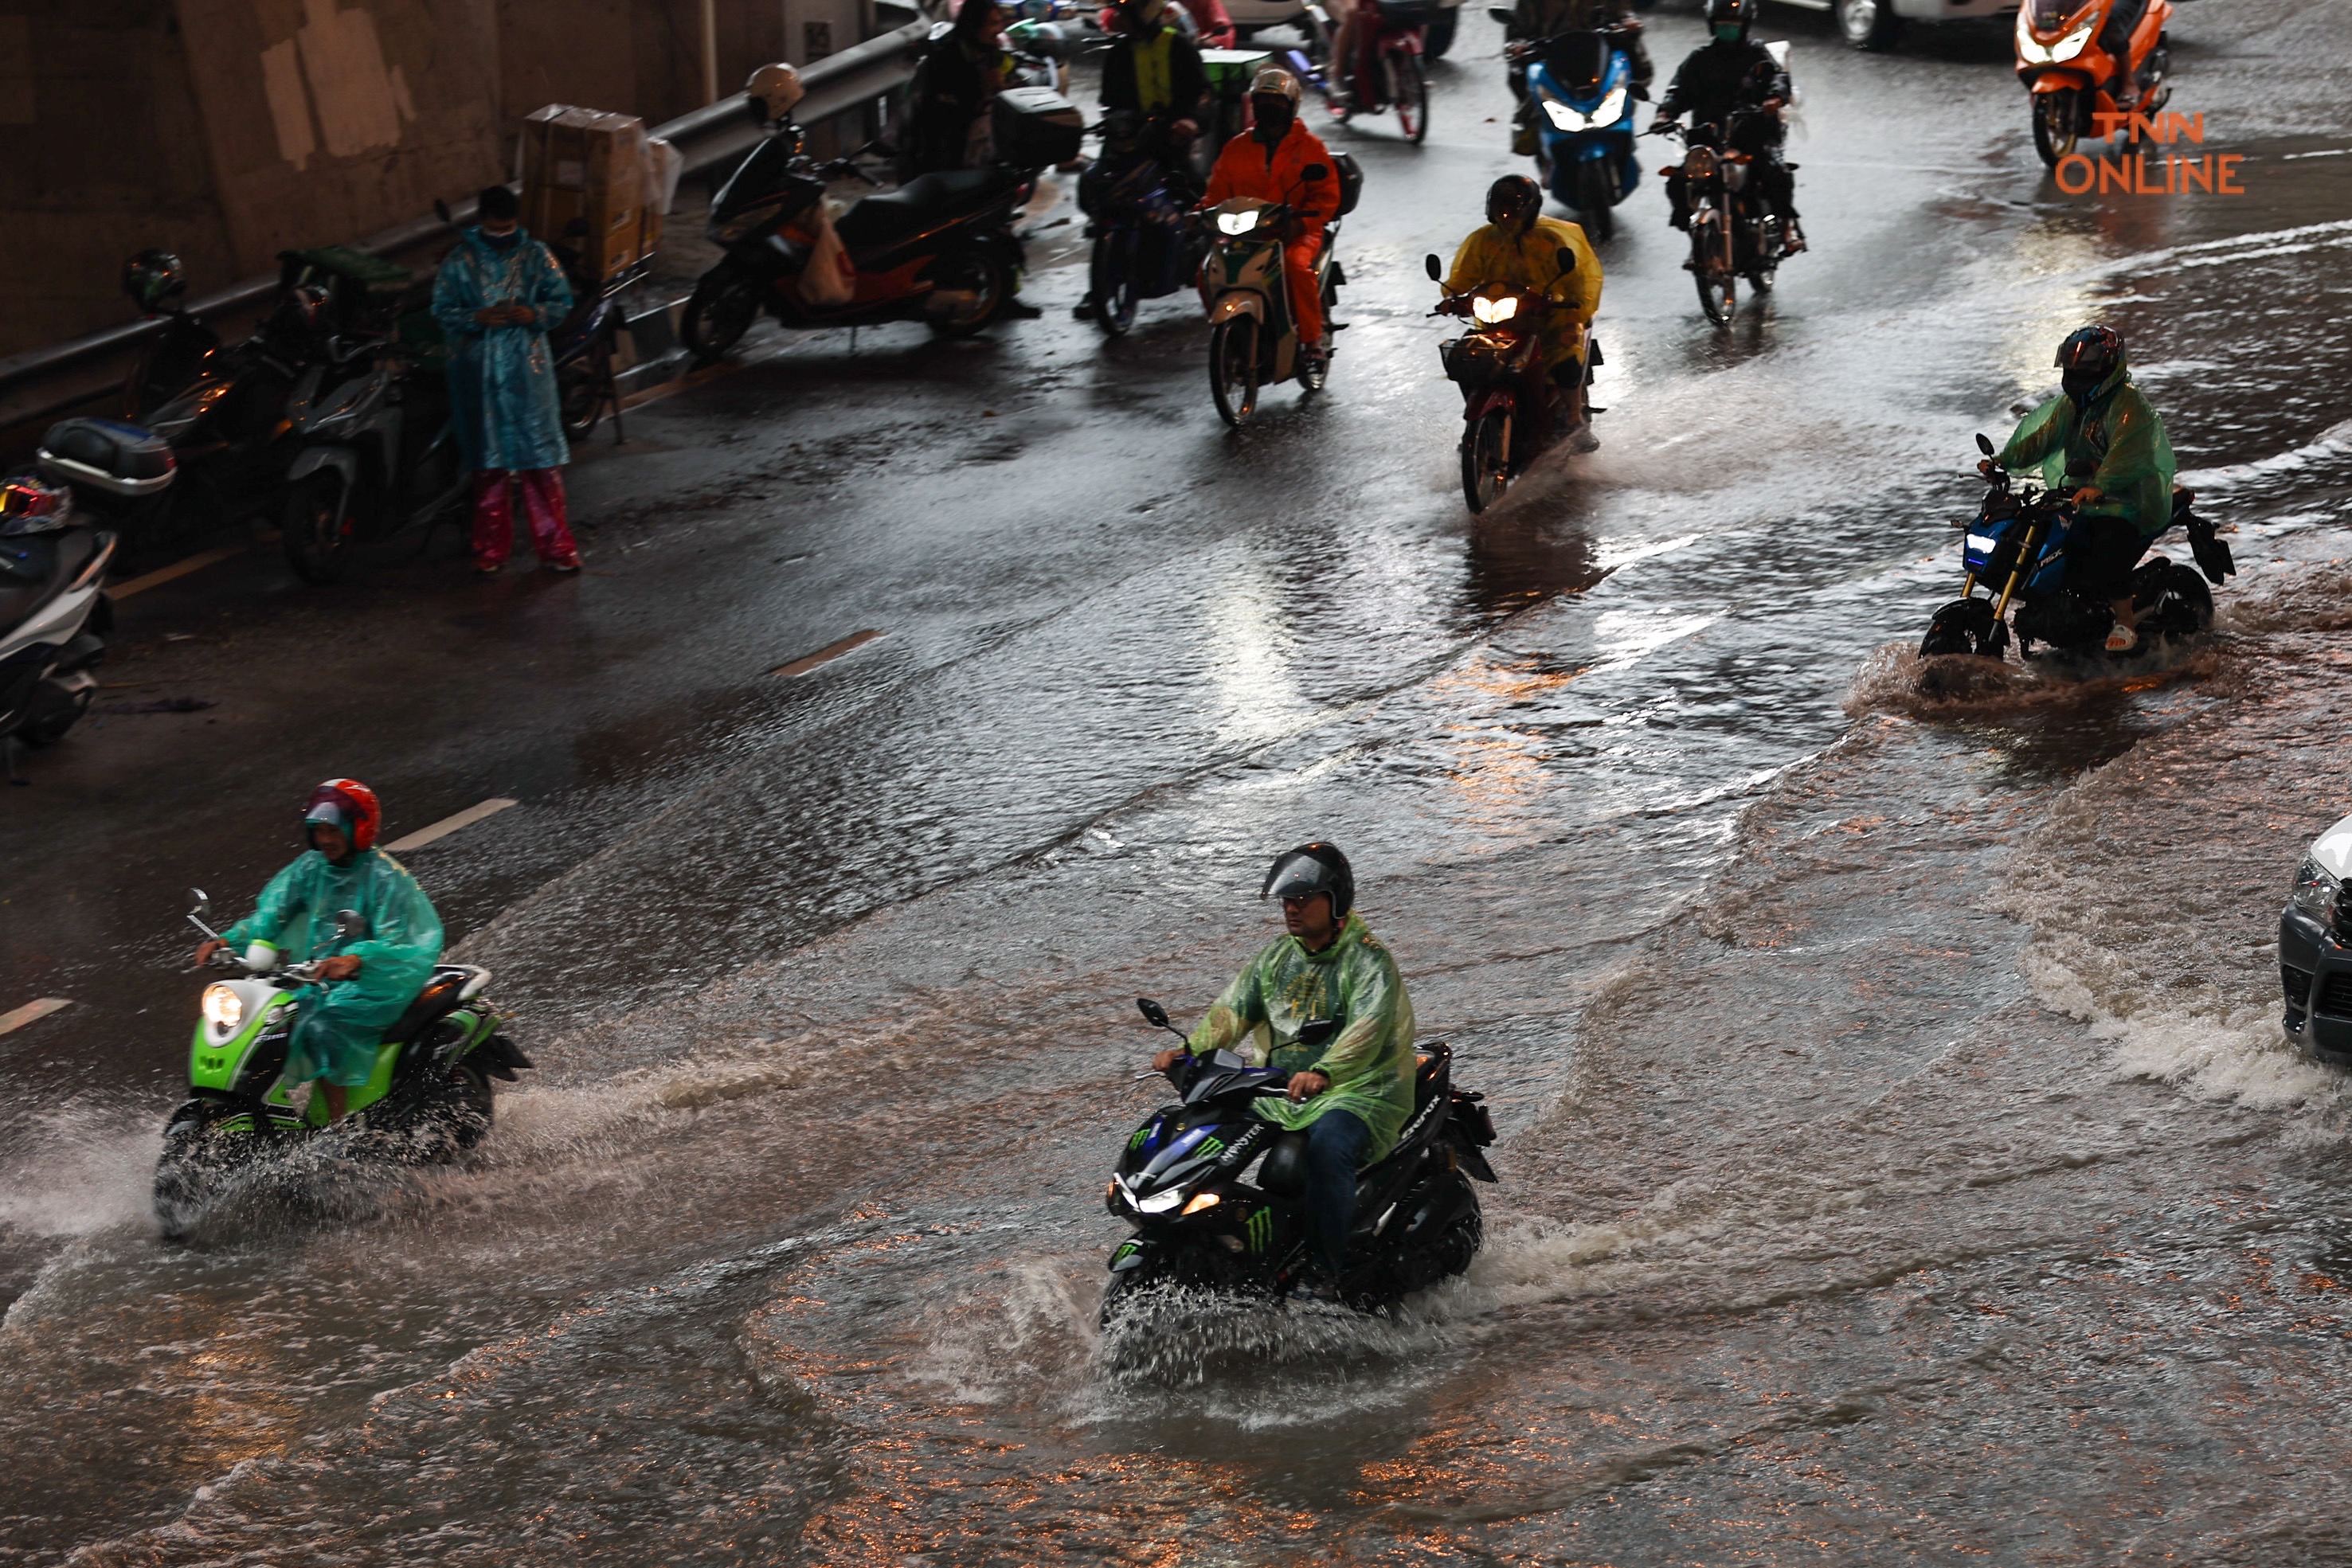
x=1036 y=127
x=107 y=455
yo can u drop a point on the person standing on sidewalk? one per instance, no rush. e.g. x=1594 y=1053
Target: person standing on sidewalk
x=496 y=297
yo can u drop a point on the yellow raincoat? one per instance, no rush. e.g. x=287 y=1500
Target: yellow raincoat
x=1529 y=264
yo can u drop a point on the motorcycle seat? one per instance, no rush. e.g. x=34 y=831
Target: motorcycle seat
x=442 y=996
x=882 y=222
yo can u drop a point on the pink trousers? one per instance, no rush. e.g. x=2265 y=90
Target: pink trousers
x=542 y=501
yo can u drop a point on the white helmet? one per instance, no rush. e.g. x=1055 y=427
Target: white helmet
x=776 y=90
x=1274 y=82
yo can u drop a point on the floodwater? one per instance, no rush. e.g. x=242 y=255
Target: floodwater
x=1900 y=1161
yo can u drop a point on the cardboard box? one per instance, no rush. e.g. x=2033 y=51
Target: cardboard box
x=587 y=183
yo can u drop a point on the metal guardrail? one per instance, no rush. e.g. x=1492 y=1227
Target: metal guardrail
x=836 y=85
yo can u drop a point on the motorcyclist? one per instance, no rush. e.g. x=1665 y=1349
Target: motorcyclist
x=954 y=91
x=1727 y=74
x=1212 y=25
x=1268 y=163
x=2101 y=437
x=367 y=982
x=1155 y=71
x=1532 y=21
x=1354 y=1093
x=2114 y=42
x=1518 y=252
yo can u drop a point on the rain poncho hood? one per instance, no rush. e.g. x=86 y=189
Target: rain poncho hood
x=2115 y=441
x=1370 y=1061
x=342 y=1023
x=1495 y=258
x=502 y=395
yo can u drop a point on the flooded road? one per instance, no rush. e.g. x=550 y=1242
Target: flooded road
x=1899 y=1159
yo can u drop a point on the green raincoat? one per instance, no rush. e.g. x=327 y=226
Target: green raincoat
x=1370 y=1061
x=2117 y=445
x=342 y=1022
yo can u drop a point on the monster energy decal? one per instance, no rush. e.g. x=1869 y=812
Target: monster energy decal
x=1209 y=1147
x=1260 y=1228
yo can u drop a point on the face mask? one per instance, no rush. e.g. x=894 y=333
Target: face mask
x=501 y=242
x=1726 y=32
x=1275 y=120
x=2078 y=386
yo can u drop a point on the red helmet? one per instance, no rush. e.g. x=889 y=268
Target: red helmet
x=347 y=804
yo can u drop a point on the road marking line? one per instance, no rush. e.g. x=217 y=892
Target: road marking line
x=448 y=825
x=32 y=1012
x=178 y=569
x=826 y=654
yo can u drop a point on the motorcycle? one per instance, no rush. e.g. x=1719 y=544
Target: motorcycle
x=431 y=1096
x=1144 y=246
x=939 y=249
x=1492 y=363
x=1252 y=338
x=1201 y=1221
x=1392 y=40
x=375 y=453
x=1733 y=233
x=1581 y=85
x=2067 y=73
x=54 y=615
x=2018 y=541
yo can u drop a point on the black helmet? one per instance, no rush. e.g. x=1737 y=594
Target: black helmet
x=1722 y=11
x=1311 y=869
x=2088 y=356
x=1514 y=199
x=155 y=280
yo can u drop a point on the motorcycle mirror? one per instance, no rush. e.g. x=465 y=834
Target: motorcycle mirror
x=202 y=906
x=1317 y=1031
x=1153 y=1013
x=350 y=924
x=1430 y=263
x=1984 y=444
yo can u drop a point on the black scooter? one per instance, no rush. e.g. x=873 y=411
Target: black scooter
x=1203 y=1221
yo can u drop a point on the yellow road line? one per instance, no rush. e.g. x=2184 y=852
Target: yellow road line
x=178 y=569
x=31 y=1012
x=826 y=654
x=448 y=825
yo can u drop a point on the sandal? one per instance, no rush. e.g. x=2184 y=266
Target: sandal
x=2123 y=639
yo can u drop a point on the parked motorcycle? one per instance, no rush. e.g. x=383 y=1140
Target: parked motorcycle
x=1494 y=363
x=1144 y=246
x=2015 y=548
x=2067 y=73
x=430 y=1097
x=375 y=454
x=55 y=615
x=1734 y=234
x=1252 y=341
x=1580 y=92
x=1391 y=41
x=939 y=249
x=1202 y=1220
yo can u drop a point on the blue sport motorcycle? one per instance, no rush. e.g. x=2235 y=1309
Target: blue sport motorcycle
x=1580 y=95
x=1144 y=248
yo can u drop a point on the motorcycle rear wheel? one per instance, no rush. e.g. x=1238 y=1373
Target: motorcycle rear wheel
x=1409 y=87
x=1233 y=369
x=2053 y=125
x=317 y=527
x=586 y=387
x=982 y=274
x=1486 y=459
x=718 y=313
x=1111 y=276
x=2182 y=605
x=1593 y=208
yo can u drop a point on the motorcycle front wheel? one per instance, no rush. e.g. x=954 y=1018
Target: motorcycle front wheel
x=585 y=386
x=1111 y=276
x=1409 y=90
x=2053 y=125
x=1718 y=292
x=317 y=527
x=1487 y=459
x=1233 y=369
x=718 y=313
x=1592 y=194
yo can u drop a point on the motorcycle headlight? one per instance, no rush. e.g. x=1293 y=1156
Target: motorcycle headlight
x=2072 y=43
x=1698 y=163
x=1158 y=1202
x=1565 y=118
x=1202 y=1200
x=2315 y=890
x=1611 y=109
x=1236 y=223
x=2029 y=49
x=224 y=1010
x=1490 y=311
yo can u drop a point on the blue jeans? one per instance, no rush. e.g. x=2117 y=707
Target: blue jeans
x=1335 y=1142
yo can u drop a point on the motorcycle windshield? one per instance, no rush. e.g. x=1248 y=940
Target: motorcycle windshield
x=764 y=172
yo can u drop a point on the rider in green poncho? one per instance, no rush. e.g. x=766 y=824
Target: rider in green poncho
x=2101 y=438
x=366 y=983
x=1351 y=1095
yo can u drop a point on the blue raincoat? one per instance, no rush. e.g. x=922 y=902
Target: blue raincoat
x=342 y=1023
x=502 y=392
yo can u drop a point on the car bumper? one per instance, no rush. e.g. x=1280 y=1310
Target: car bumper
x=2316 y=983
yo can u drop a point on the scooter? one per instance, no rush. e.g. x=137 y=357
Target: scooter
x=430 y=1097
x=1580 y=89
x=1492 y=362
x=376 y=452
x=1392 y=40
x=2015 y=548
x=1733 y=234
x=1144 y=246
x=54 y=615
x=2068 y=74
x=1213 y=1193
x=1251 y=340
x=939 y=249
